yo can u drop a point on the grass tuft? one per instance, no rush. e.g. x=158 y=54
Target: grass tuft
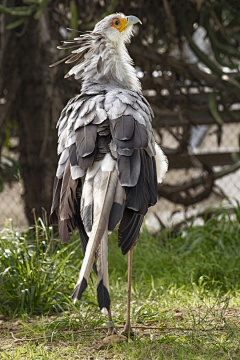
x=37 y=273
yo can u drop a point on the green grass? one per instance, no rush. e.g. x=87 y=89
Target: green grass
x=185 y=303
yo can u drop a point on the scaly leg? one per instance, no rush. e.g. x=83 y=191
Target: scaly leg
x=127 y=328
x=110 y=324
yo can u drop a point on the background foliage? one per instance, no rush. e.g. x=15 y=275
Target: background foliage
x=32 y=95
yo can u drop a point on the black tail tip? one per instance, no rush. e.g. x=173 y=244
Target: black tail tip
x=103 y=296
x=79 y=289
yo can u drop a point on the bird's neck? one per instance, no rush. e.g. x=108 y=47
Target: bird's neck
x=110 y=64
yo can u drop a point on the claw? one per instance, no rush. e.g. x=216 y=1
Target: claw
x=111 y=328
x=112 y=331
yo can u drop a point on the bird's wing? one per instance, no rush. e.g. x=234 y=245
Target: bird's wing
x=91 y=120
x=130 y=119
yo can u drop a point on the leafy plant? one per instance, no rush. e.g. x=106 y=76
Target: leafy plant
x=37 y=273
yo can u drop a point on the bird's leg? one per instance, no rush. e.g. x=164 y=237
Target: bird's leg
x=110 y=324
x=127 y=328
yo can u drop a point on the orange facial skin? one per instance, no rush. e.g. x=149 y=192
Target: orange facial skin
x=120 y=24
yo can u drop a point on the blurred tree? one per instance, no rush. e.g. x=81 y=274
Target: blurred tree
x=170 y=52
x=34 y=96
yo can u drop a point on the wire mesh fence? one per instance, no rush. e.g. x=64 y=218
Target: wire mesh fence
x=203 y=139
x=12 y=205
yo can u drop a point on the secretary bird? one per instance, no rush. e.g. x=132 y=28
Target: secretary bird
x=109 y=163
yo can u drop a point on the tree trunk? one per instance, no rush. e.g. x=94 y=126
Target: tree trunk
x=40 y=93
x=9 y=75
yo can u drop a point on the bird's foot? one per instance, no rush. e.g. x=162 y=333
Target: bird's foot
x=111 y=328
x=112 y=336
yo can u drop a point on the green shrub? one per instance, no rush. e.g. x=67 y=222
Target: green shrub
x=37 y=273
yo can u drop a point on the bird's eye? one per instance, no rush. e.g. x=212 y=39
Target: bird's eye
x=117 y=22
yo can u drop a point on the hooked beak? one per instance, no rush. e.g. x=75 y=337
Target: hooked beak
x=132 y=20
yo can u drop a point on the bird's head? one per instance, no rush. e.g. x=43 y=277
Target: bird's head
x=117 y=27
x=100 y=56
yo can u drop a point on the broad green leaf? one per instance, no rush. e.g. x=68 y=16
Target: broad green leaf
x=15 y=24
x=212 y=104
x=38 y=14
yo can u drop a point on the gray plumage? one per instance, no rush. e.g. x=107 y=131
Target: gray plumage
x=123 y=127
x=117 y=207
x=129 y=168
x=66 y=209
x=106 y=172
x=86 y=140
x=87 y=204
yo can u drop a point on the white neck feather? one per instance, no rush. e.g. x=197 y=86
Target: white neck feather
x=107 y=63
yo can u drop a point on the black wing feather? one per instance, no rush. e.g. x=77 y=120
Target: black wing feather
x=73 y=155
x=129 y=230
x=137 y=174
x=55 y=202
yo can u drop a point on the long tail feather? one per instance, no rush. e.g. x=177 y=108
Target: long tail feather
x=104 y=187
x=82 y=232
x=102 y=267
